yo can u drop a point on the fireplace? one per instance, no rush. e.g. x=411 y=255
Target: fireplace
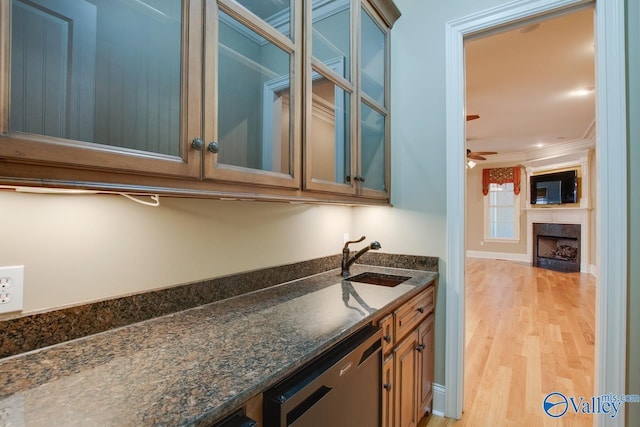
x=556 y=246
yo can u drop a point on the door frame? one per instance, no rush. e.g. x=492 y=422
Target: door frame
x=611 y=215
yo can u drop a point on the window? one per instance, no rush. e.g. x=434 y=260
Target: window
x=501 y=213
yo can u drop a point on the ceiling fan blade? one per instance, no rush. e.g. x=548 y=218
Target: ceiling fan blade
x=472 y=117
x=484 y=153
x=476 y=157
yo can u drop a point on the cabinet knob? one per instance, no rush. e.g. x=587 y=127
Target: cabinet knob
x=213 y=147
x=387 y=386
x=421 y=309
x=359 y=178
x=420 y=348
x=387 y=338
x=197 y=143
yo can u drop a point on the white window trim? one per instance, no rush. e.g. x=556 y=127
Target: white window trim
x=516 y=221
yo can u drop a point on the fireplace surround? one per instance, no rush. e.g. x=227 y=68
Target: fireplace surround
x=557 y=215
x=557 y=246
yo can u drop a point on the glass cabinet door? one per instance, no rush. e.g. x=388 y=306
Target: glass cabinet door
x=374 y=121
x=251 y=97
x=105 y=81
x=330 y=130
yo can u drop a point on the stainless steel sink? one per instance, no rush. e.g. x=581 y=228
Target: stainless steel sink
x=379 y=279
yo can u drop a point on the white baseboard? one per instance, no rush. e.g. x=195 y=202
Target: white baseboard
x=499 y=255
x=438 y=400
x=593 y=270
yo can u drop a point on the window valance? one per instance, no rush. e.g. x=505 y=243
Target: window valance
x=501 y=176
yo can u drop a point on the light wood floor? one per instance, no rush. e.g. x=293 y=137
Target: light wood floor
x=529 y=332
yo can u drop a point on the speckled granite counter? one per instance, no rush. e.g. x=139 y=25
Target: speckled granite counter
x=191 y=367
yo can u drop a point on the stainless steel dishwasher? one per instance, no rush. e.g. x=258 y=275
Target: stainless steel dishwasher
x=341 y=388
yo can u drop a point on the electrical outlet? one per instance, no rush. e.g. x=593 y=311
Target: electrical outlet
x=11 y=288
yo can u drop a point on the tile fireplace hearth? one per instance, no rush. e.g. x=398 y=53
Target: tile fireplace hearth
x=556 y=246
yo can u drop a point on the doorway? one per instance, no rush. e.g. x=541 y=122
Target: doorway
x=611 y=165
x=524 y=113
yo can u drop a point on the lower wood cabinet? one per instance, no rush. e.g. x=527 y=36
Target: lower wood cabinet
x=426 y=342
x=406 y=379
x=388 y=387
x=408 y=367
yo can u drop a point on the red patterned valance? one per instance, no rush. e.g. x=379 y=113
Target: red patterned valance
x=501 y=176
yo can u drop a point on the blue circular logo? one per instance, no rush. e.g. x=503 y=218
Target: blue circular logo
x=555 y=404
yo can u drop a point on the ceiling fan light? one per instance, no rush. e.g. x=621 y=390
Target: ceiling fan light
x=471 y=164
x=583 y=91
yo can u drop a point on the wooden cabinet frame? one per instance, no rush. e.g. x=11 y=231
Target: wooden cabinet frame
x=383 y=110
x=30 y=148
x=36 y=160
x=408 y=353
x=352 y=86
x=213 y=169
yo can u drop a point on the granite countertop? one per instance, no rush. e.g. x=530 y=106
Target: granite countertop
x=191 y=367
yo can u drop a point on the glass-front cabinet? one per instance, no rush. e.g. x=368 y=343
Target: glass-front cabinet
x=99 y=84
x=347 y=128
x=253 y=92
x=374 y=111
x=280 y=99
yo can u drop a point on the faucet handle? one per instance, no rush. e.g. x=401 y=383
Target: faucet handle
x=346 y=244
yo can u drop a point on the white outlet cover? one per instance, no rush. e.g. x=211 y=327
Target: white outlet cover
x=11 y=288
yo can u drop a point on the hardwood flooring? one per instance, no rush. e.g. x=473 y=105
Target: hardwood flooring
x=529 y=332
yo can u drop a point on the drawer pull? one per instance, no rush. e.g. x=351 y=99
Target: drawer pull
x=420 y=348
x=387 y=386
x=421 y=309
x=387 y=338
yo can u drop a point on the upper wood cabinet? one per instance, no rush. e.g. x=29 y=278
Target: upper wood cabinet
x=100 y=85
x=200 y=97
x=347 y=84
x=253 y=57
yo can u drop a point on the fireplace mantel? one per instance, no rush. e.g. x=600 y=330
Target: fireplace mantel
x=558 y=215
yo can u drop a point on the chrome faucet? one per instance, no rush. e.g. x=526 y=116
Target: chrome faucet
x=346 y=262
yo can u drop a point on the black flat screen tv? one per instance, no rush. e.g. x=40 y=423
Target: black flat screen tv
x=554 y=188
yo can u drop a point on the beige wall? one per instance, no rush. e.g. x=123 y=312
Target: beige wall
x=475 y=214
x=85 y=248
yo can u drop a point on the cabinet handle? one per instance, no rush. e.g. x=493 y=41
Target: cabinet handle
x=420 y=348
x=421 y=309
x=213 y=147
x=359 y=178
x=387 y=338
x=197 y=143
x=387 y=386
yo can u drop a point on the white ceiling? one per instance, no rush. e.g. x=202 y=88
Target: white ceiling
x=522 y=81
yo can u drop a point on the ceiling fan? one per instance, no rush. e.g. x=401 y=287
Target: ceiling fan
x=477 y=155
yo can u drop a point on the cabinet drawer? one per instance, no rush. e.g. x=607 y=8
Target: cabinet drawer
x=388 y=337
x=412 y=313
